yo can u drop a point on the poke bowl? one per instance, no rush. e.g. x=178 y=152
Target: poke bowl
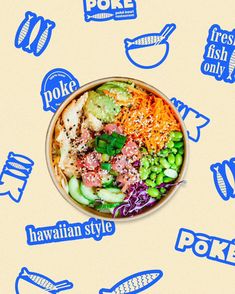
x=117 y=149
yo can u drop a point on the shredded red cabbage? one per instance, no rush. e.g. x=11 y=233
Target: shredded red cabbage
x=136 y=163
x=136 y=200
x=168 y=185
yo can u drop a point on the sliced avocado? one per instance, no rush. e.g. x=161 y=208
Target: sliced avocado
x=74 y=191
x=108 y=196
x=121 y=84
x=88 y=192
x=121 y=93
x=101 y=106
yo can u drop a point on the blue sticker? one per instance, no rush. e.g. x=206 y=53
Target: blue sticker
x=224 y=186
x=14 y=176
x=136 y=48
x=210 y=247
x=135 y=283
x=219 y=56
x=194 y=120
x=64 y=231
x=57 y=85
x=25 y=278
x=34 y=33
x=104 y=10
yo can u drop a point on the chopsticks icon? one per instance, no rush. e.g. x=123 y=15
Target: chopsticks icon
x=165 y=33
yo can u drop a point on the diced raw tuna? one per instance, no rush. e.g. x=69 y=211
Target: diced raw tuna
x=91 y=179
x=92 y=160
x=130 y=149
x=119 y=162
x=110 y=128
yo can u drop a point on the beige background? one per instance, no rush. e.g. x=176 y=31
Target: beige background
x=91 y=51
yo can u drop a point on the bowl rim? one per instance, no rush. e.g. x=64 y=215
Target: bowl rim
x=76 y=94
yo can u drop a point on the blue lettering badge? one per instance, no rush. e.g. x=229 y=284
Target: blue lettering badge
x=34 y=33
x=194 y=120
x=150 y=50
x=135 y=283
x=64 y=231
x=14 y=176
x=205 y=246
x=224 y=184
x=57 y=85
x=103 y=10
x=39 y=281
x=219 y=56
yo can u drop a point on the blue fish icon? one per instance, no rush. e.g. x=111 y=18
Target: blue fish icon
x=223 y=185
x=24 y=30
x=28 y=281
x=34 y=33
x=135 y=283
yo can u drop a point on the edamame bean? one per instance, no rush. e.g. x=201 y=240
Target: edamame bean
x=150 y=183
x=174 y=166
x=164 y=163
x=154 y=192
x=178 y=135
x=164 y=152
x=152 y=162
x=171 y=158
x=156 y=160
x=178 y=159
x=144 y=162
x=144 y=173
x=167 y=180
x=159 y=179
x=181 y=151
x=174 y=150
x=153 y=176
x=179 y=144
x=172 y=135
x=163 y=190
x=170 y=144
x=156 y=169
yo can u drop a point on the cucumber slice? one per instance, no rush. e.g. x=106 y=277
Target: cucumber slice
x=74 y=191
x=108 y=196
x=114 y=190
x=88 y=192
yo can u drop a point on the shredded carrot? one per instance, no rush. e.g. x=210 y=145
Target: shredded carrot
x=149 y=120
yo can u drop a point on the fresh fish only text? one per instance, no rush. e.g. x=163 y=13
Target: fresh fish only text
x=219 y=55
x=205 y=246
x=64 y=231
